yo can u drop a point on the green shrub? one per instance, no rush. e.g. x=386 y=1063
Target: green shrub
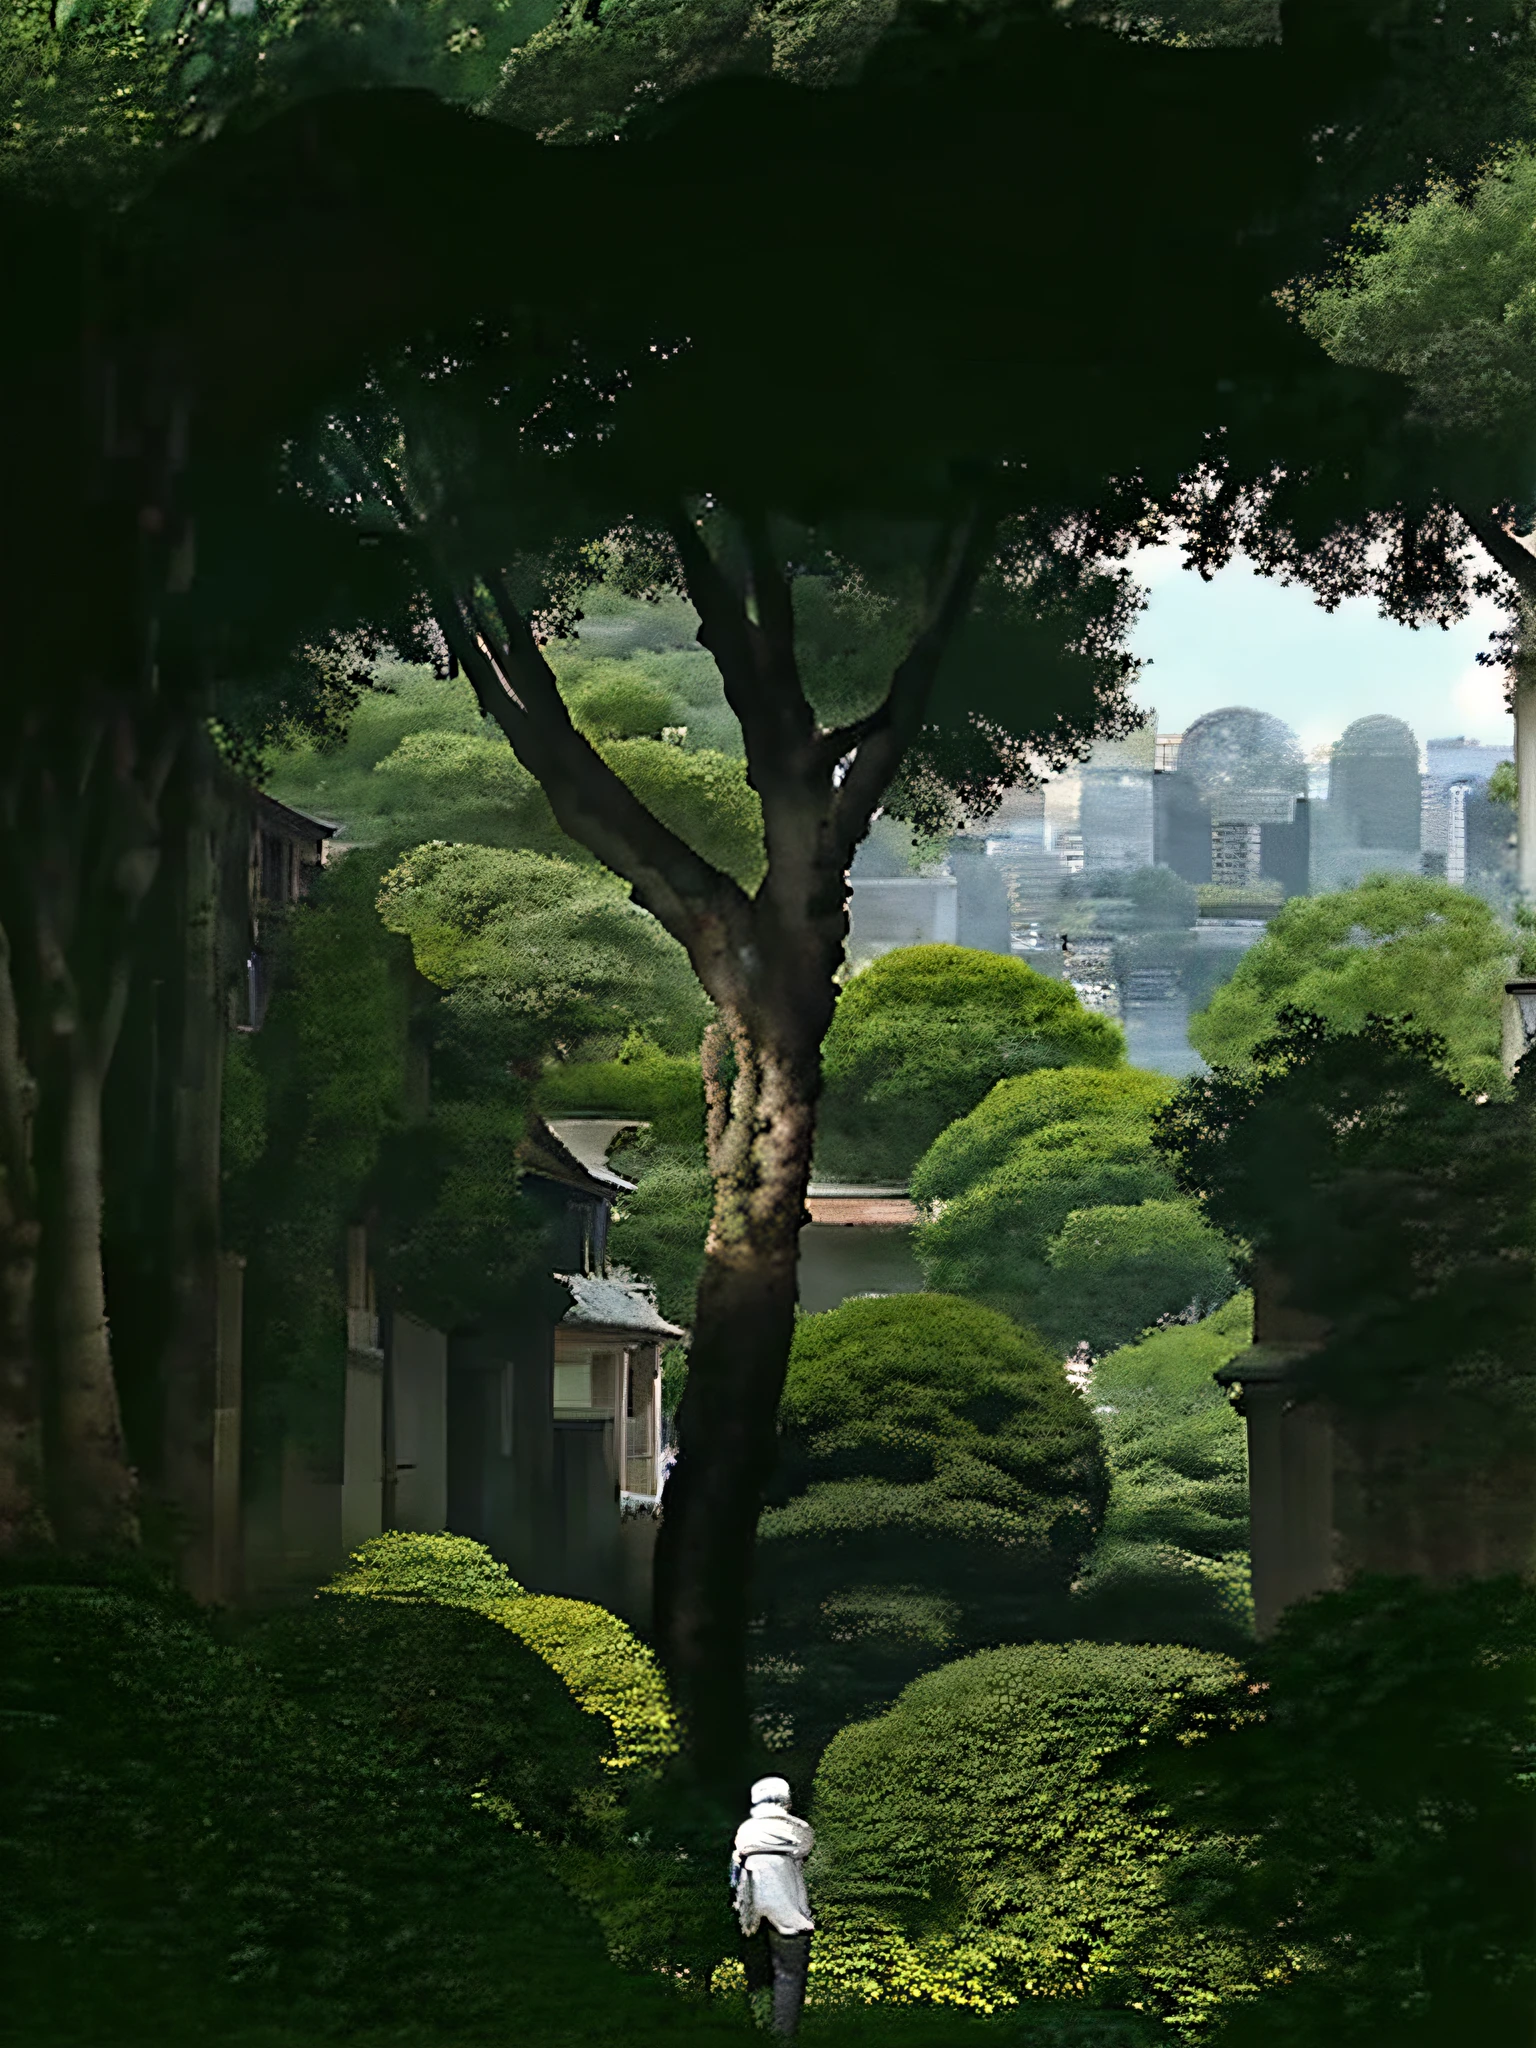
x=200 y=1841
x=405 y=1565
x=662 y=1089
x=621 y=707
x=939 y=1483
x=599 y=1660
x=1002 y=1182
x=659 y=1230
x=1171 y=1562
x=983 y=1842
x=605 y=1667
x=920 y=1036
x=1111 y=1272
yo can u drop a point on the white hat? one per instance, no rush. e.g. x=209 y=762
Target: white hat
x=771 y=1792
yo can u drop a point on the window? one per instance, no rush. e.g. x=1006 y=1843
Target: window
x=573 y=1385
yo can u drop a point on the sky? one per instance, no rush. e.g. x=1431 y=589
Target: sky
x=1243 y=638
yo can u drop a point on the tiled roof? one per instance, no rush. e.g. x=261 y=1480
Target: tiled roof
x=614 y=1301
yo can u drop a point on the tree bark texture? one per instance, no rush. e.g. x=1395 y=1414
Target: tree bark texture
x=769 y=962
x=207 y=837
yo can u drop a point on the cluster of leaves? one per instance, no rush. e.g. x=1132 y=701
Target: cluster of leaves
x=557 y=945
x=1396 y=1206
x=1396 y=946
x=1380 y=1810
x=603 y=1666
x=1049 y=1202
x=920 y=1036
x=1171 y=1562
x=983 y=1842
x=938 y=1486
x=1115 y=1270
x=618 y=1851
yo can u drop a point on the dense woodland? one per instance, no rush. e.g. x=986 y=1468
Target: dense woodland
x=616 y=462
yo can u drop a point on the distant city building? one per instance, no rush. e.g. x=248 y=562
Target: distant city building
x=1463 y=837
x=1115 y=806
x=1233 y=810
x=1165 y=756
x=1371 y=821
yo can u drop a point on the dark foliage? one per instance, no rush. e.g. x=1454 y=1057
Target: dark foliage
x=1379 y=1812
x=1397 y=1207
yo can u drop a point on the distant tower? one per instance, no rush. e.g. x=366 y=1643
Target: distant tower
x=1373 y=784
x=1373 y=817
x=1236 y=801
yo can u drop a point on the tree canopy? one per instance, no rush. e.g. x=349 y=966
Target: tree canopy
x=1394 y=1205
x=921 y=1035
x=1003 y=1185
x=558 y=944
x=1394 y=947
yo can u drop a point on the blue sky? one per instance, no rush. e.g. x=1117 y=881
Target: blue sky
x=1245 y=639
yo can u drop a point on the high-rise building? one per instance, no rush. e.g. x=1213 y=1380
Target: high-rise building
x=1115 y=808
x=1371 y=821
x=1464 y=837
x=1234 y=808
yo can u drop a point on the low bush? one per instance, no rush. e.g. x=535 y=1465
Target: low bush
x=205 y=1839
x=986 y=1841
x=1114 y=1271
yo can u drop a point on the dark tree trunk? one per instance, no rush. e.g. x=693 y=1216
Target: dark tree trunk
x=743 y=1326
x=200 y=835
x=24 y=1522
x=769 y=963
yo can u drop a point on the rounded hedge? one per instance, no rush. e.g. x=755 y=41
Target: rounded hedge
x=1114 y=1271
x=985 y=1842
x=1001 y=1183
x=919 y=1037
x=939 y=1483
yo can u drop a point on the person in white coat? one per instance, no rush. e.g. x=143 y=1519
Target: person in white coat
x=772 y=1908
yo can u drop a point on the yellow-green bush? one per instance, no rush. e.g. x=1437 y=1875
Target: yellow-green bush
x=603 y=1664
x=608 y=1670
x=983 y=1843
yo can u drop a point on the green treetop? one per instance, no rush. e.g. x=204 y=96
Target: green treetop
x=1397 y=947
x=561 y=944
x=1049 y=1202
x=919 y=1037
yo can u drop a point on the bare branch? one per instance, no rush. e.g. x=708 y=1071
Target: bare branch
x=1513 y=555
x=877 y=743
x=705 y=910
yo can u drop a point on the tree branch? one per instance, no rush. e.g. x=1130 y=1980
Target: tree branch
x=707 y=912
x=1507 y=549
x=878 y=742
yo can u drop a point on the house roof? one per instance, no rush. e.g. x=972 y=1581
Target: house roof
x=544 y=1153
x=586 y=1140
x=613 y=1301
x=296 y=824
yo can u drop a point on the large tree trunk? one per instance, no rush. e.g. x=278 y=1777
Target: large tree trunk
x=24 y=1520
x=743 y=1327
x=189 y=1374
x=93 y=1488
